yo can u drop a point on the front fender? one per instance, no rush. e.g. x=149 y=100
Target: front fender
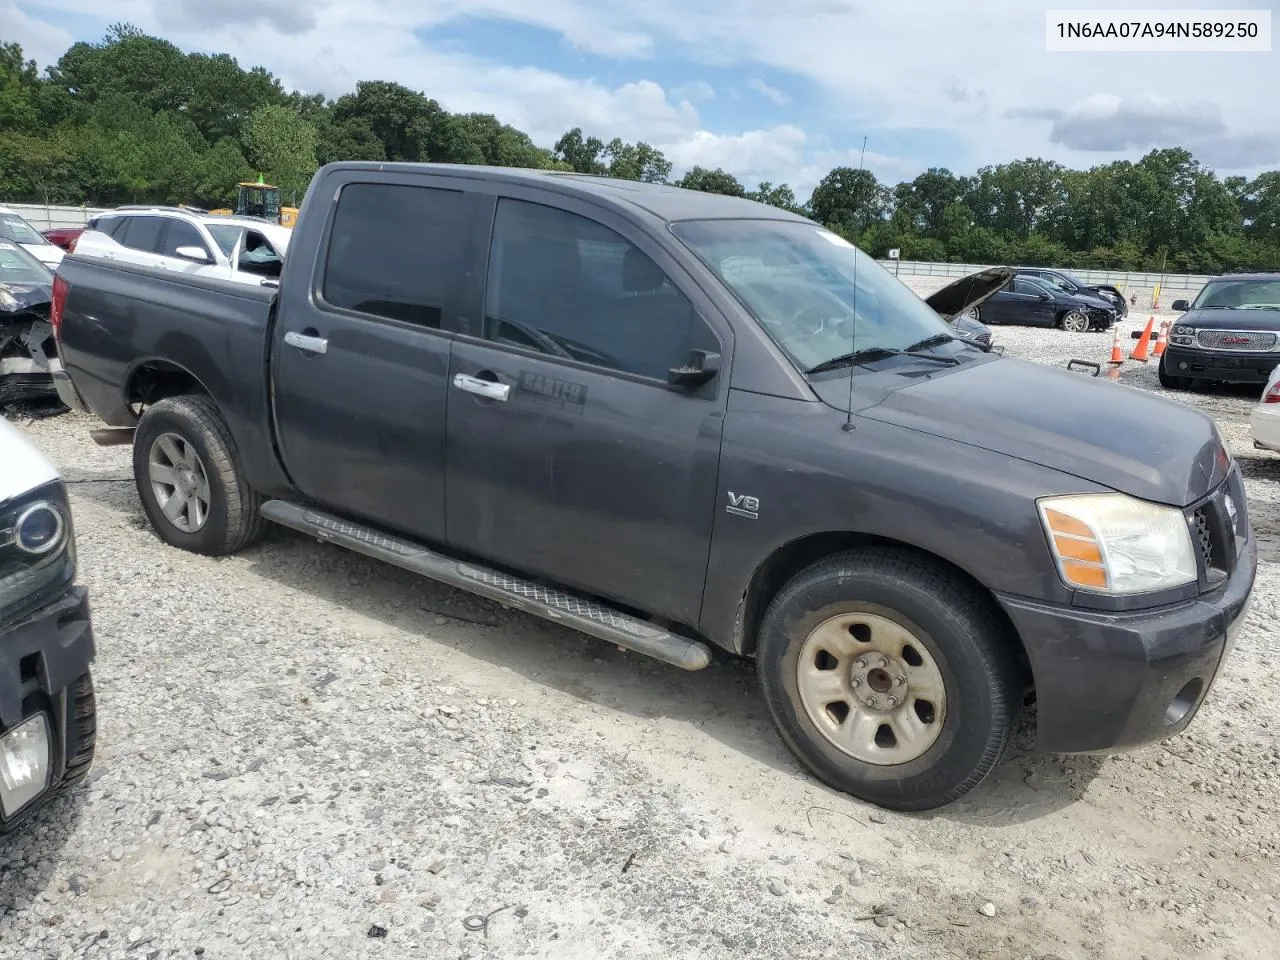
x=967 y=506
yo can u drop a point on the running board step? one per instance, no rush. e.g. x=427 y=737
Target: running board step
x=587 y=616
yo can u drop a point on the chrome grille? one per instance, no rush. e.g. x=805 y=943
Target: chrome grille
x=1236 y=340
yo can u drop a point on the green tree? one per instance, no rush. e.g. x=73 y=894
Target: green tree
x=712 y=181
x=582 y=154
x=282 y=145
x=781 y=196
x=849 y=201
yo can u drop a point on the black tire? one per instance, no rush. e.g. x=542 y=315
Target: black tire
x=961 y=631
x=1168 y=380
x=82 y=739
x=233 y=519
x=84 y=716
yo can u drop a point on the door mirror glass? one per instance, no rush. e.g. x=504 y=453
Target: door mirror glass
x=1181 y=306
x=194 y=254
x=700 y=367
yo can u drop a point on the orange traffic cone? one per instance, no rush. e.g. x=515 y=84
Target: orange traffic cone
x=1117 y=349
x=1162 y=339
x=1144 y=343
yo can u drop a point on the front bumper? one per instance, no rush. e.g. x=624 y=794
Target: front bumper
x=1264 y=424
x=1102 y=319
x=1107 y=682
x=41 y=658
x=1225 y=365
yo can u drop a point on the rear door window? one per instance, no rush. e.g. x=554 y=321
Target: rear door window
x=397 y=251
x=179 y=233
x=142 y=233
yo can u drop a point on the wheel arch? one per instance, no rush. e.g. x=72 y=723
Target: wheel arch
x=790 y=558
x=154 y=379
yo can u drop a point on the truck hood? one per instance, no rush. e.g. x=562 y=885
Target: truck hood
x=1104 y=432
x=1268 y=320
x=955 y=298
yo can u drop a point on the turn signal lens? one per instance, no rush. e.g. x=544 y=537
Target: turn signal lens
x=1079 y=553
x=1116 y=544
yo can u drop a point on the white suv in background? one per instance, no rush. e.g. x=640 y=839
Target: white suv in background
x=17 y=230
x=174 y=238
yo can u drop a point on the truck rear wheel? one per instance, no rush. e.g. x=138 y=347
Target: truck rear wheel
x=189 y=480
x=889 y=678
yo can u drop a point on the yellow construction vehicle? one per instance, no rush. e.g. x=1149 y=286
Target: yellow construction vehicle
x=261 y=200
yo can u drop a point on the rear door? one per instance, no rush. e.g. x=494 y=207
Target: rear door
x=139 y=240
x=361 y=359
x=1022 y=303
x=181 y=234
x=570 y=457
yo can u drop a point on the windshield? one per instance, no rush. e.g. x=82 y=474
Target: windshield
x=1239 y=295
x=798 y=281
x=18 y=266
x=13 y=227
x=1063 y=282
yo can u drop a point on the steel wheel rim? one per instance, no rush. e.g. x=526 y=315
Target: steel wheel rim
x=179 y=482
x=871 y=688
x=1076 y=322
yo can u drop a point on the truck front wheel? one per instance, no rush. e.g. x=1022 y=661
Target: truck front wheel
x=889 y=678
x=189 y=480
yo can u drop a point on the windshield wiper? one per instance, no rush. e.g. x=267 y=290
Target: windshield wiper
x=937 y=340
x=875 y=353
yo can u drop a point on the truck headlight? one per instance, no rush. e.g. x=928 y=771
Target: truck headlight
x=1115 y=544
x=37 y=550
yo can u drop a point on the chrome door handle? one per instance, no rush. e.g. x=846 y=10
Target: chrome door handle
x=482 y=388
x=303 y=342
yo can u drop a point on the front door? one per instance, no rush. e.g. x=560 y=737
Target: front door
x=569 y=455
x=361 y=364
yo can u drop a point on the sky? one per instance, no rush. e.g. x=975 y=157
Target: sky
x=767 y=90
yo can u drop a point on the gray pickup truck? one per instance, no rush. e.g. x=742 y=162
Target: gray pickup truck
x=679 y=422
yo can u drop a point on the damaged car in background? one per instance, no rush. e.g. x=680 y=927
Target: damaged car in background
x=957 y=302
x=28 y=352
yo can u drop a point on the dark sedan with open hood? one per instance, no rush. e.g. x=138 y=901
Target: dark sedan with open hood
x=958 y=302
x=1231 y=333
x=28 y=353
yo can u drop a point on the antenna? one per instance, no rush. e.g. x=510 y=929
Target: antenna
x=853 y=335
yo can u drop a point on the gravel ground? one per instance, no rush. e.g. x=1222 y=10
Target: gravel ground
x=307 y=754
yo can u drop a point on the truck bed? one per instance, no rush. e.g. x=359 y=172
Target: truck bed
x=123 y=326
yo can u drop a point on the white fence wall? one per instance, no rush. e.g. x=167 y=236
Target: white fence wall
x=1175 y=286
x=51 y=216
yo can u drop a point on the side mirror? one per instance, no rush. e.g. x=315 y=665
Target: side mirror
x=194 y=254
x=1181 y=306
x=1046 y=296
x=702 y=366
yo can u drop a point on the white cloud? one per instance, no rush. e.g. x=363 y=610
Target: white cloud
x=40 y=40
x=772 y=94
x=694 y=90
x=750 y=156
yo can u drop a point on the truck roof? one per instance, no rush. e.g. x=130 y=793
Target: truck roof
x=663 y=201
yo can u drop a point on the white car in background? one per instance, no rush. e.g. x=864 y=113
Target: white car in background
x=1264 y=420
x=17 y=230
x=241 y=249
